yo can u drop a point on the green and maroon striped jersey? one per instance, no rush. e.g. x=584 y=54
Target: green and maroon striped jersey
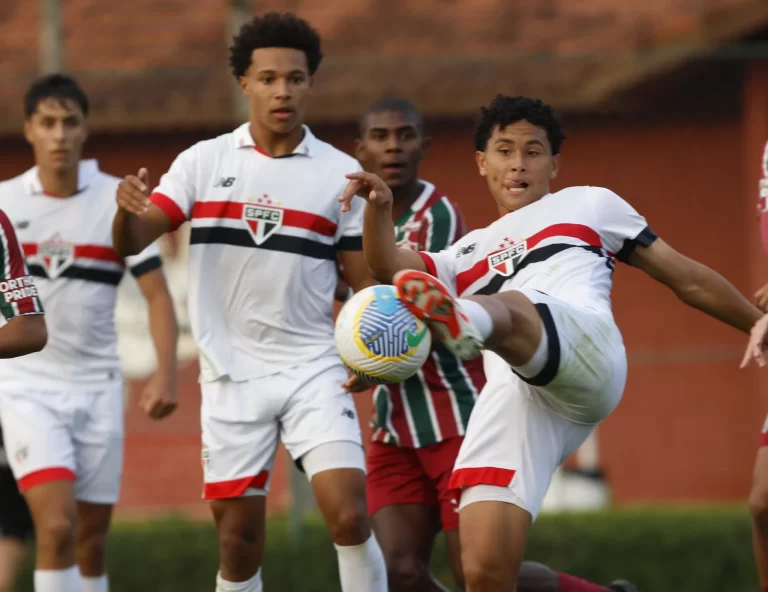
x=18 y=293
x=434 y=404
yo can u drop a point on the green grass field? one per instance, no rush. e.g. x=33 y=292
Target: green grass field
x=692 y=549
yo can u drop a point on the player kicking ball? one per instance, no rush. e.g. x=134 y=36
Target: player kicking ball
x=533 y=298
x=266 y=235
x=413 y=450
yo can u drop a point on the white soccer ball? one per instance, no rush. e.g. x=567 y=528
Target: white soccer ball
x=379 y=339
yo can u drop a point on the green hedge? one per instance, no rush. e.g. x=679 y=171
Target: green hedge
x=675 y=550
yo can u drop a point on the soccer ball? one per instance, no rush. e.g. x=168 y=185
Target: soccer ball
x=379 y=339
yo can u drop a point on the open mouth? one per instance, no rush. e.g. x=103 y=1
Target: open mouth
x=393 y=166
x=515 y=186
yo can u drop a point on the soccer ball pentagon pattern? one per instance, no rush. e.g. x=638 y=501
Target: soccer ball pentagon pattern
x=379 y=339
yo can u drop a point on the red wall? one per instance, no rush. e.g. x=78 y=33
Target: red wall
x=688 y=425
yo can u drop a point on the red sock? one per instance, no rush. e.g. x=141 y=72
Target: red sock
x=574 y=584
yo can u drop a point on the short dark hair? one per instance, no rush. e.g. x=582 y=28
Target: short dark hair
x=275 y=29
x=392 y=105
x=505 y=110
x=54 y=86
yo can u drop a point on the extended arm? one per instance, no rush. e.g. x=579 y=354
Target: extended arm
x=696 y=284
x=382 y=254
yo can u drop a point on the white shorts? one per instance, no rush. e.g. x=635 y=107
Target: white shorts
x=522 y=429
x=66 y=435
x=242 y=422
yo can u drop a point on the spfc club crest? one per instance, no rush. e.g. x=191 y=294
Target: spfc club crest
x=262 y=221
x=504 y=262
x=55 y=255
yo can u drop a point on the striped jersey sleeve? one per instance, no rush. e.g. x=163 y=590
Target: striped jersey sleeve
x=18 y=293
x=444 y=225
x=175 y=194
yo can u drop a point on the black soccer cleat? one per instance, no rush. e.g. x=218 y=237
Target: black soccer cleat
x=622 y=586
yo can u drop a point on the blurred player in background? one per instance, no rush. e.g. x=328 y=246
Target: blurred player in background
x=534 y=294
x=62 y=408
x=266 y=233
x=419 y=425
x=23 y=332
x=758 y=498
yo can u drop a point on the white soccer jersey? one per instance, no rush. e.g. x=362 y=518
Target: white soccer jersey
x=68 y=245
x=265 y=237
x=563 y=245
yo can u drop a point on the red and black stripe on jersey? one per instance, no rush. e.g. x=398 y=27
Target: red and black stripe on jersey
x=286 y=243
x=593 y=244
x=102 y=253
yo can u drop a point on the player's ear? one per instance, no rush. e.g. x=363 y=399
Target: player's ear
x=426 y=145
x=480 y=160
x=243 y=82
x=360 y=152
x=28 y=129
x=555 y=166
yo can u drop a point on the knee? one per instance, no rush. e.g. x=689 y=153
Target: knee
x=90 y=547
x=56 y=534
x=235 y=544
x=406 y=574
x=484 y=574
x=349 y=525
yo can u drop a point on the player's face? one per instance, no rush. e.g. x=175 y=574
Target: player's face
x=56 y=131
x=277 y=87
x=392 y=147
x=518 y=165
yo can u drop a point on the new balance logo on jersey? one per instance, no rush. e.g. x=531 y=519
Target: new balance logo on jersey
x=262 y=221
x=56 y=255
x=22 y=224
x=348 y=413
x=504 y=262
x=465 y=250
x=225 y=182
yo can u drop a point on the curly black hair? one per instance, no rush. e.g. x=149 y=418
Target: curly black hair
x=275 y=29
x=54 y=86
x=505 y=110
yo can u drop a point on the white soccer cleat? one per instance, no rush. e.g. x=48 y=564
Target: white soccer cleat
x=429 y=300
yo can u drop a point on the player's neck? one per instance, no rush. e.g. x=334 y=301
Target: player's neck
x=404 y=196
x=58 y=183
x=276 y=145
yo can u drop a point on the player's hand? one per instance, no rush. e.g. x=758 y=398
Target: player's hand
x=158 y=400
x=133 y=193
x=368 y=186
x=355 y=384
x=761 y=298
x=757 y=344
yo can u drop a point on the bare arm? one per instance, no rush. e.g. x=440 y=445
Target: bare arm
x=356 y=270
x=695 y=284
x=159 y=399
x=384 y=257
x=138 y=222
x=23 y=335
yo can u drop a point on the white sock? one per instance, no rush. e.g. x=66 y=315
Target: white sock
x=58 y=580
x=252 y=585
x=362 y=567
x=480 y=317
x=99 y=584
x=539 y=359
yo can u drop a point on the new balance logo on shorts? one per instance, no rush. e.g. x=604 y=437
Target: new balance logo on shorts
x=348 y=413
x=225 y=182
